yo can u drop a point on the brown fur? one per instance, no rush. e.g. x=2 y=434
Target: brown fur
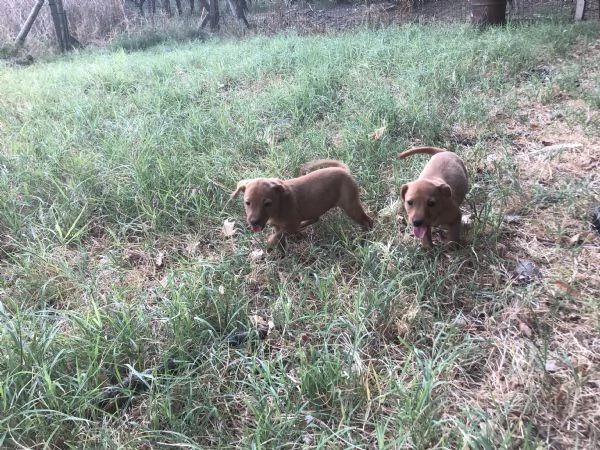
x=435 y=196
x=290 y=205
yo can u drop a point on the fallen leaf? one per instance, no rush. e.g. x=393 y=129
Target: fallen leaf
x=524 y=329
x=228 y=228
x=512 y=219
x=377 y=134
x=563 y=288
x=221 y=289
x=526 y=271
x=256 y=254
x=159 y=261
x=263 y=326
x=389 y=211
x=551 y=365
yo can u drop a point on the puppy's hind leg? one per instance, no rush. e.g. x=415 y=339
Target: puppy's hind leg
x=306 y=223
x=358 y=214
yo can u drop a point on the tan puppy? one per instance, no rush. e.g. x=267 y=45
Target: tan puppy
x=290 y=205
x=434 y=198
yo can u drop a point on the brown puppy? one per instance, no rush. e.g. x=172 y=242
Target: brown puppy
x=290 y=205
x=434 y=198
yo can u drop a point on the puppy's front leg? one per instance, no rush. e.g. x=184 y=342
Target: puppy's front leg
x=427 y=242
x=453 y=235
x=275 y=237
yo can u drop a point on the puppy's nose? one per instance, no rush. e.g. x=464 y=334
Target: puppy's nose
x=254 y=222
x=418 y=222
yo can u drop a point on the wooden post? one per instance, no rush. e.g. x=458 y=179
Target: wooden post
x=64 y=26
x=579 y=9
x=28 y=23
x=57 y=24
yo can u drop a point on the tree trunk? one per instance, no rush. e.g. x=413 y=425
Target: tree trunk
x=28 y=23
x=238 y=8
x=178 y=5
x=214 y=15
x=167 y=7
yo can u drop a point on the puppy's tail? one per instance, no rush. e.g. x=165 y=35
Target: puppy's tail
x=421 y=150
x=321 y=164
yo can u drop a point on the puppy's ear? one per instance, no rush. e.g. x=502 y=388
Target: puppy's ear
x=241 y=187
x=445 y=190
x=403 y=190
x=277 y=186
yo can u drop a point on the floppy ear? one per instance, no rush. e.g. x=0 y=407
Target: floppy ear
x=241 y=187
x=403 y=190
x=445 y=190
x=277 y=186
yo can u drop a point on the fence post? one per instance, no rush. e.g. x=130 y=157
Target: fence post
x=579 y=9
x=57 y=24
x=20 y=40
x=64 y=25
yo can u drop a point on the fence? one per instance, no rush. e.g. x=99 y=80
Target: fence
x=99 y=20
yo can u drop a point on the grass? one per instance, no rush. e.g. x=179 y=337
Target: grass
x=115 y=175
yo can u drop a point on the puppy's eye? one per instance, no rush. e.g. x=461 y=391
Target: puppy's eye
x=247 y=203
x=267 y=203
x=409 y=202
x=431 y=203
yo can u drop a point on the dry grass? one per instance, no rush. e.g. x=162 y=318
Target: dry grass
x=374 y=345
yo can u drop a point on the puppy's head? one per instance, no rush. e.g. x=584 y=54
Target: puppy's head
x=424 y=201
x=262 y=199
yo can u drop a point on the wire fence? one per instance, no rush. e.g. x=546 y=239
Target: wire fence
x=311 y=17
x=97 y=21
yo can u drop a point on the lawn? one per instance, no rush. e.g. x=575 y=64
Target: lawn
x=135 y=316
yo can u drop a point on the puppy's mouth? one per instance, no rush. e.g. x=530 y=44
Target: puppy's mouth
x=420 y=232
x=256 y=228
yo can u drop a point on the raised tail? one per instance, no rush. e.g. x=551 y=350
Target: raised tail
x=321 y=164
x=421 y=150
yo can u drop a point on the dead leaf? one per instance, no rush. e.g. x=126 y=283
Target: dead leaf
x=228 y=228
x=524 y=329
x=563 y=288
x=512 y=219
x=526 y=271
x=264 y=327
x=551 y=365
x=389 y=211
x=159 y=261
x=256 y=254
x=377 y=134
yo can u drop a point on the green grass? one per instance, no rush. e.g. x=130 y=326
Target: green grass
x=115 y=175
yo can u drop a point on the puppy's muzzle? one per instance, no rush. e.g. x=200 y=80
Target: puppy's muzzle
x=255 y=225
x=419 y=228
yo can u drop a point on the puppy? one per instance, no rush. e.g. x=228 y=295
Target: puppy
x=290 y=205
x=435 y=196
